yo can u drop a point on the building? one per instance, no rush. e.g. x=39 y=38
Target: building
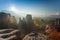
x=4 y=19
x=13 y=22
x=57 y=24
x=28 y=18
x=13 y=19
x=29 y=23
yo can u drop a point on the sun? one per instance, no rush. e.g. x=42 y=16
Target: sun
x=12 y=8
x=19 y=11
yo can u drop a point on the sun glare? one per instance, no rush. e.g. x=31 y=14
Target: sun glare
x=22 y=11
x=12 y=8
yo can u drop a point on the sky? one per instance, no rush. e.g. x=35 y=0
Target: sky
x=36 y=8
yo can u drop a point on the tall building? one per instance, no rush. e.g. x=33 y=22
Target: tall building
x=29 y=18
x=4 y=19
x=29 y=23
x=57 y=21
x=13 y=19
x=13 y=22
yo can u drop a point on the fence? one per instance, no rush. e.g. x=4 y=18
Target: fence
x=8 y=34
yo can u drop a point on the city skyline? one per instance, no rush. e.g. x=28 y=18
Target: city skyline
x=33 y=7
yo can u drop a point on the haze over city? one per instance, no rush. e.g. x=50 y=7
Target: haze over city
x=36 y=8
x=29 y=19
